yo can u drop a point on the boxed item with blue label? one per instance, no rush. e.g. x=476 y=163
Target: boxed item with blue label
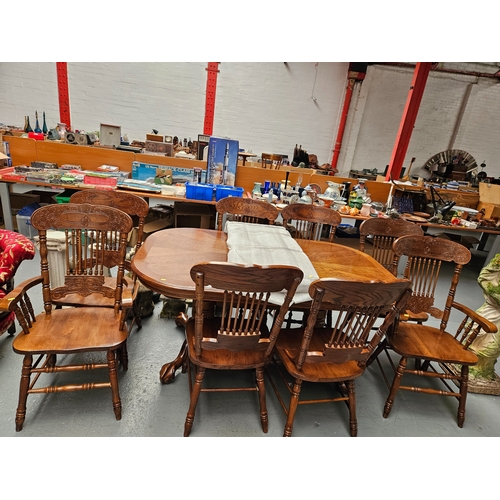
x=160 y=174
x=222 y=161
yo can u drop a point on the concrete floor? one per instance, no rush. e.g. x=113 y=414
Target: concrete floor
x=151 y=409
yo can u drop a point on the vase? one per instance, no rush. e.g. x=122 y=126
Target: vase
x=38 y=130
x=44 y=126
x=256 y=192
x=27 y=126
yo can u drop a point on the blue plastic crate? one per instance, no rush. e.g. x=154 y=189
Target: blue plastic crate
x=225 y=191
x=203 y=192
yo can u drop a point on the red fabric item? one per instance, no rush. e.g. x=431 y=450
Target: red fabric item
x=14 y=248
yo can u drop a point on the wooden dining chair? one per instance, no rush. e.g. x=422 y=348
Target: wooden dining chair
x=138 y=209
x=272 y=161
x=439 y=353
x=245 y=210
x=306 y=221
x=70 y=331
x=239 y=339
x=382 y=233
x=337 y=354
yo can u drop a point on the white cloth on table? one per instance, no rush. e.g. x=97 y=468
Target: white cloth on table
x=268 y=245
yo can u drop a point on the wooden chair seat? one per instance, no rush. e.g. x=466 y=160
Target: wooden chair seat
x=45 y=334
x=287 y=349
x=431 y=344
x=220 y=358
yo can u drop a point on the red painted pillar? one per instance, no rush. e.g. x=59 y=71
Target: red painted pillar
x=63 y=88
x=408 y=120
x=352 y=77
x=212 y=70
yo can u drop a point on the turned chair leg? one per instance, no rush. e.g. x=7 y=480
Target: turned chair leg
x=113 y=379
x=353 y=422
x=23 y=392
x=464 y=382
x=294 y=403
x=262 y=399
x=395 y=386
x=195 y=394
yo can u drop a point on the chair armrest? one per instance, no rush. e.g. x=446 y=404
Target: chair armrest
x=471 y=325
x=128 y=296
x=10 y=301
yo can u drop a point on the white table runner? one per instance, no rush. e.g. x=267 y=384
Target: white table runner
x=269 y=245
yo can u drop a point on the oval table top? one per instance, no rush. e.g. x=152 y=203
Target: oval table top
x=164 y=261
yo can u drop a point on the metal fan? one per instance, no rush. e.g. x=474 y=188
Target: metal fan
x=446 y=162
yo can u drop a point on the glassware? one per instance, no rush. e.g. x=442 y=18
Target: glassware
x=44 y=126
x=38 y=130
x=256 y=192
x=27 y=126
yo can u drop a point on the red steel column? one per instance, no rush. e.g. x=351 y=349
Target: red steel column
x=63 y=88
x=212 y=70
x=352 y=77
x=408 y=120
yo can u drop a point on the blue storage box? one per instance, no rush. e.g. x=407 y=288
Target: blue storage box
x=225 y=191
x=203 y=192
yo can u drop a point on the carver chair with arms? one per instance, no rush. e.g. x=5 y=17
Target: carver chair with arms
x=69 y=332
x=14 y=248
x=137 y=208
x=439 y=353
x=245 y=210
x=239 y=339
x=306 y=221
x=336 y=354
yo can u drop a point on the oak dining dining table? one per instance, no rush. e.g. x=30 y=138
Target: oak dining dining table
x=164 y=261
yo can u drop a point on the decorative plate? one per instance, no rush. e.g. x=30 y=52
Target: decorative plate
x=316 y=188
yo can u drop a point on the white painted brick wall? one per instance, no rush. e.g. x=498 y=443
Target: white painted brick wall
x=268 y=106
x=385 y=91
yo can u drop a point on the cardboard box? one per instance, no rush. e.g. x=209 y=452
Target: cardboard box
x=203 y=141
x=18 y=201
x=154 y=137
x=158 y=148
x=490 y=209
x=110 y=135
x=222 y=161
x=160 y=174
